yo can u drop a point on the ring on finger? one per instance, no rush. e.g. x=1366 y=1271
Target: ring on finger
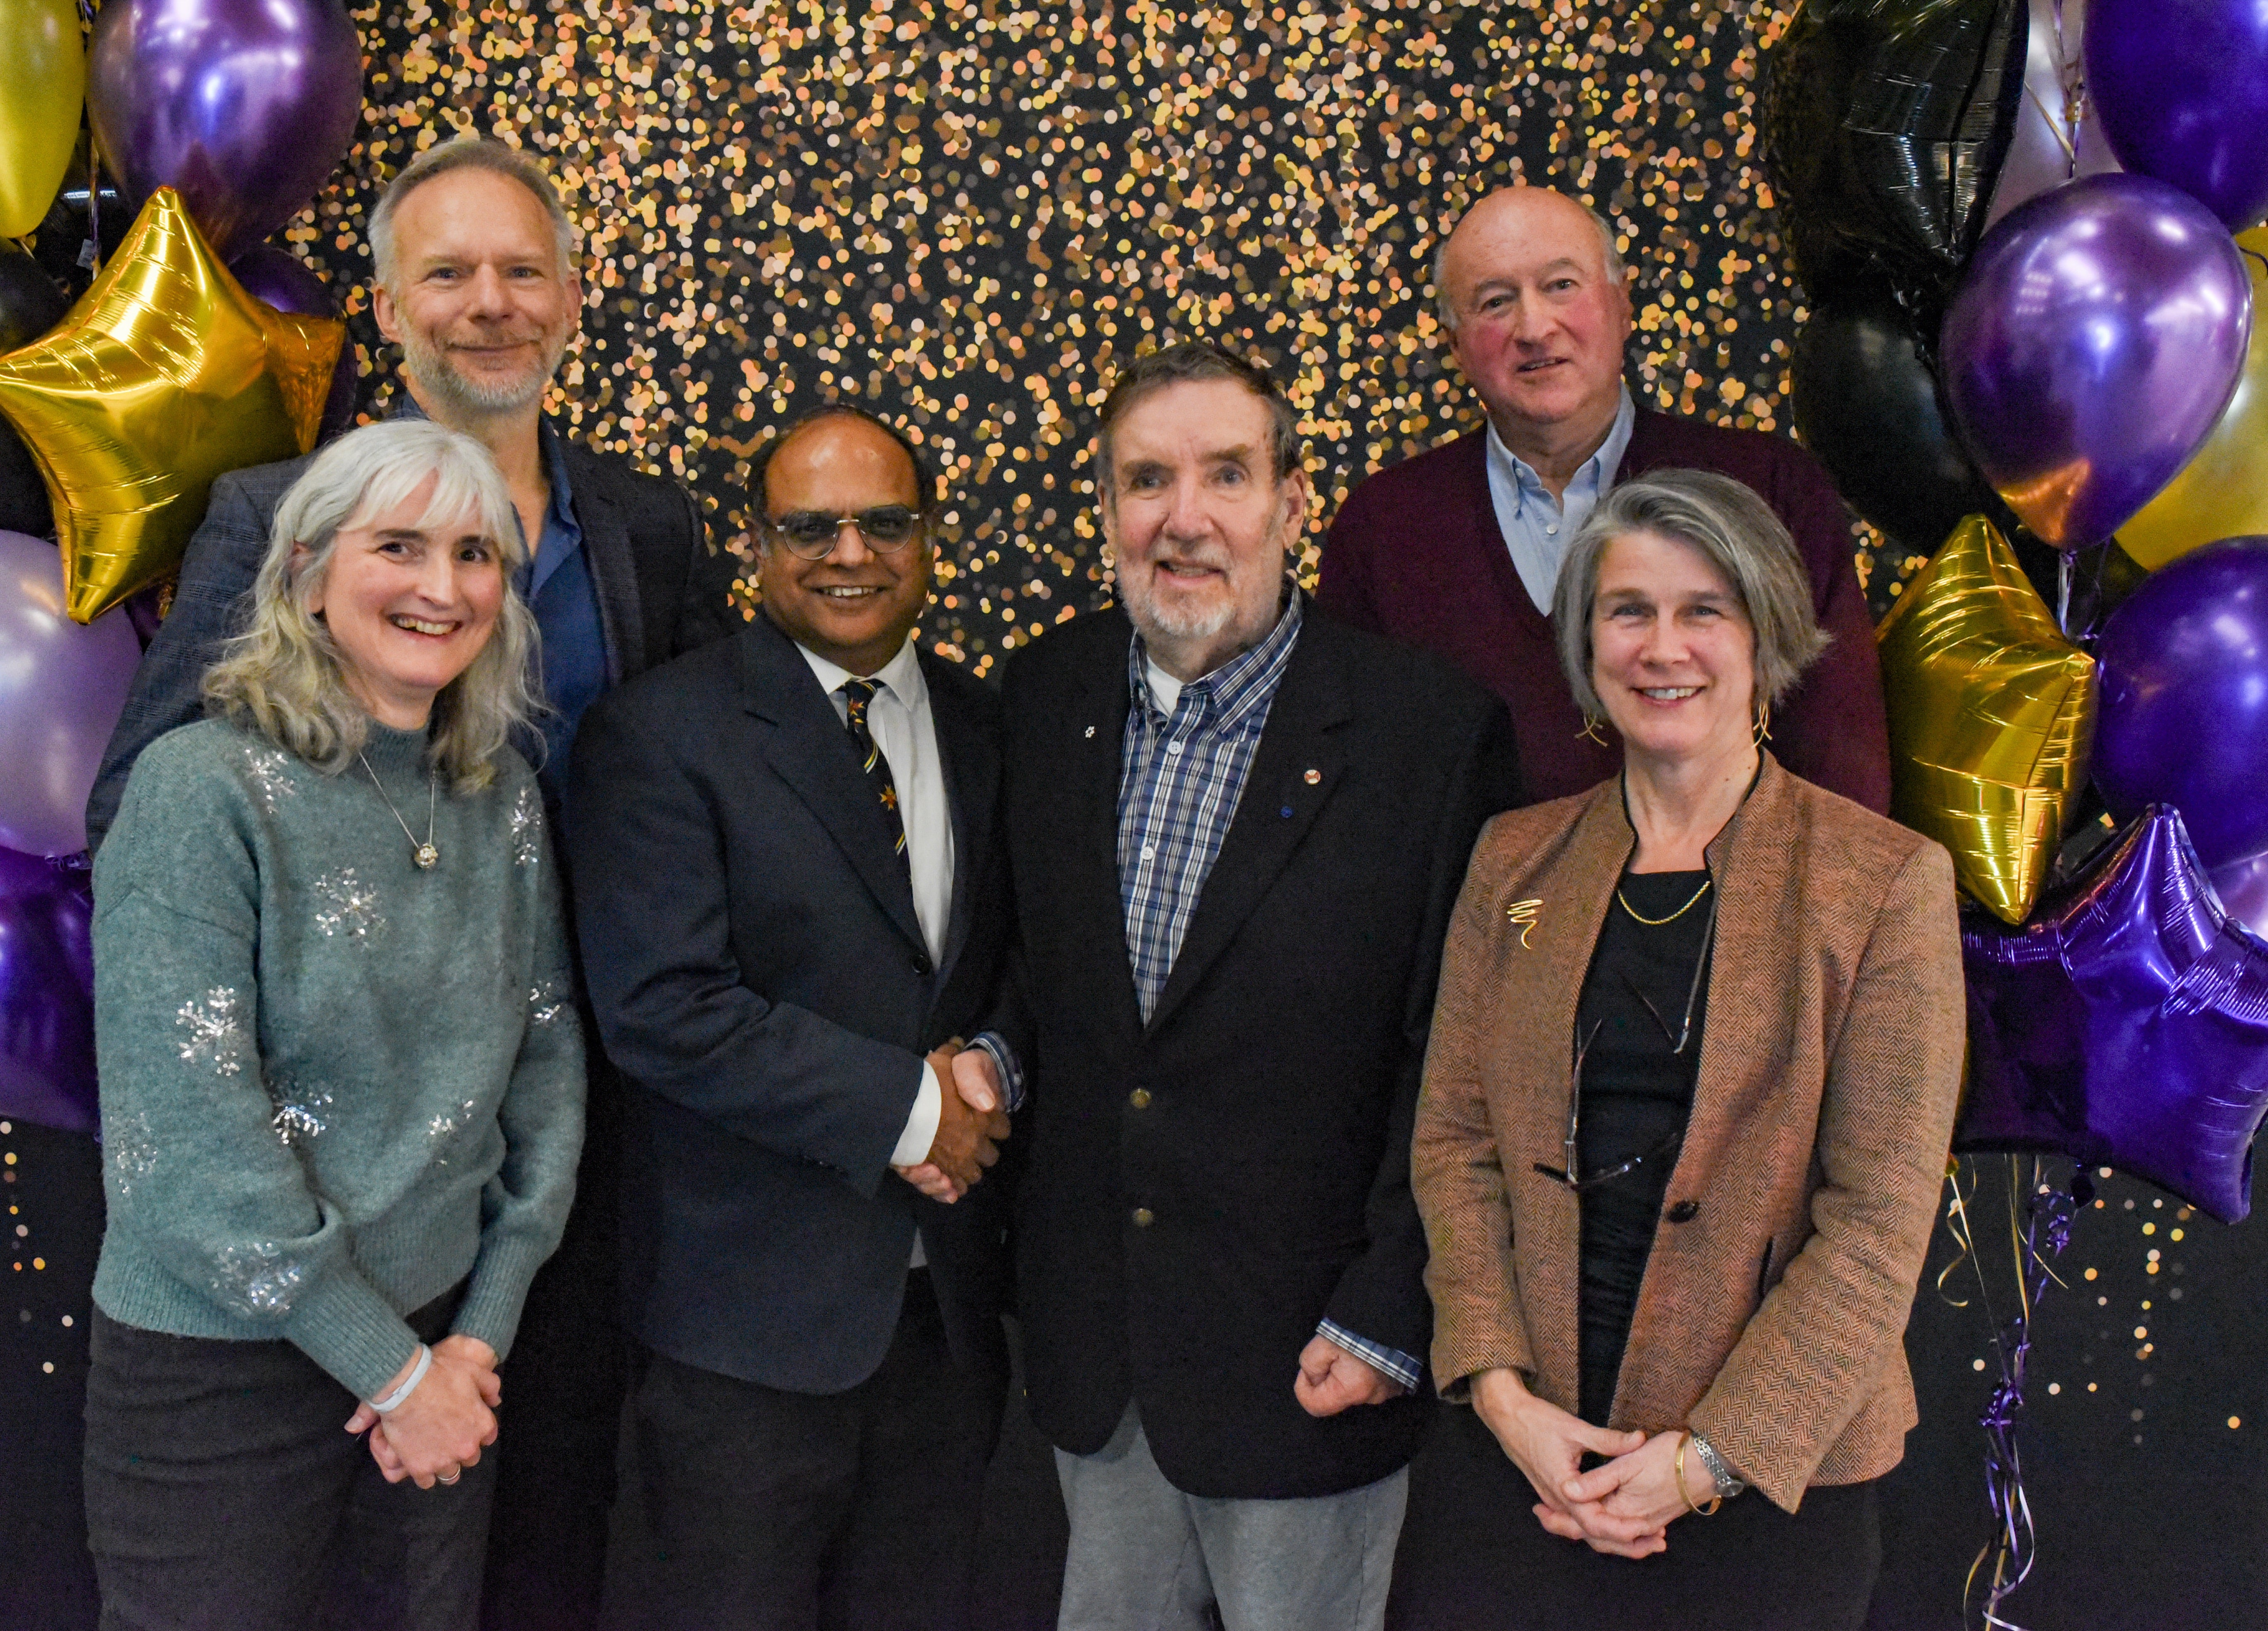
x=450 y=1478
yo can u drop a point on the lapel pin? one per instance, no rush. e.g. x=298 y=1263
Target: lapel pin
x=1525 y=914
x=1089 y=731
x=1312 y=777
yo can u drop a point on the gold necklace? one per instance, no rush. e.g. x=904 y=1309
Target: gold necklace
x=1651 y=922
x=425 y=854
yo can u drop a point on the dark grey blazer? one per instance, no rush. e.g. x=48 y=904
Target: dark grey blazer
x=662 y=591
x=762 y=982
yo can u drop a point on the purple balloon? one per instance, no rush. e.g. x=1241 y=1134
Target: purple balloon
x=62 y=688
x=2091 y=347
x=2181 y=89
x=2242 y=886
x=2182 y=718
x=46 y=992
x=245 y=107
x=289 y=284
x=2126 y=1024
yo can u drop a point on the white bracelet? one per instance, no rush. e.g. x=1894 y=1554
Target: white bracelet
x=392 y=1402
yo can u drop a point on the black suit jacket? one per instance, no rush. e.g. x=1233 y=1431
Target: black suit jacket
x=1270 y=1145
x=662 y=591
x=760 y=981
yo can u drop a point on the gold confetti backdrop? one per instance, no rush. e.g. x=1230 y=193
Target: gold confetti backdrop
x=966 y=216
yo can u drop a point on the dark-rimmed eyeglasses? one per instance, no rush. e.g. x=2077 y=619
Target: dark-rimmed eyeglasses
x=812 y=534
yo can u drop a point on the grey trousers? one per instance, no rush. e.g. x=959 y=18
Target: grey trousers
x=1146 y=1557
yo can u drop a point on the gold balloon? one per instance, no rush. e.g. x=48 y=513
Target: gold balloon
x=2222 y=492
x=1992 y=717
x=42 y=79
x=165 y=374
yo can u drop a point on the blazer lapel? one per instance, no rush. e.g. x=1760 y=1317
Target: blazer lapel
x=1086 y=739
x=1295 y=771
x=972 y=782
x=613 y=566
x=808 y=749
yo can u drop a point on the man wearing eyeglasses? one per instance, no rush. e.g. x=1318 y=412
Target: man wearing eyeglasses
x=792 y=911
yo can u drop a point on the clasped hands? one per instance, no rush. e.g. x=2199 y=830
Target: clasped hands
x=440 y=1430
x=972 y=1121
x=1624 y=1508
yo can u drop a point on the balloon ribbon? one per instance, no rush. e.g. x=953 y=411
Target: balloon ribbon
x=2039 y=1227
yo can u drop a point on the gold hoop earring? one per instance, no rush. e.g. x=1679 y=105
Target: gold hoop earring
x=1591 y=729
x=1761 y=730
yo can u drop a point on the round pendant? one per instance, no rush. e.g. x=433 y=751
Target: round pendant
x=426 y=856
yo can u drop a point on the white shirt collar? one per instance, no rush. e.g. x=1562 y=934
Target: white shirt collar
x=1596 y=474
x=901 y=676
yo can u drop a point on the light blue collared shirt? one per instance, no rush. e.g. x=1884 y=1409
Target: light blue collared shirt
x=1537 y=529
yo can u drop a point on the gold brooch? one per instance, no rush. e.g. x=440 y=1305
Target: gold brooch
x=1524 y=913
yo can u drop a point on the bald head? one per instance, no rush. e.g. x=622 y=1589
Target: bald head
x=1519 y=213
x=1532 y=295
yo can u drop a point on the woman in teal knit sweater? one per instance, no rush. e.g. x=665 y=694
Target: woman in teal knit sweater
x=342 y=1074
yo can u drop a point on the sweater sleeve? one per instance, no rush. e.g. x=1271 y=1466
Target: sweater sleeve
x=523 y=1207
x=195 y=1172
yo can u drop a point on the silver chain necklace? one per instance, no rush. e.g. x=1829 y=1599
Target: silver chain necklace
x=424 y=854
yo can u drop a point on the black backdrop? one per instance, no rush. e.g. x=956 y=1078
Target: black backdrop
x=964 y=214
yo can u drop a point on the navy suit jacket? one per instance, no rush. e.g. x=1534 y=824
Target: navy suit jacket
x=761 y=981
x=1269 y=1146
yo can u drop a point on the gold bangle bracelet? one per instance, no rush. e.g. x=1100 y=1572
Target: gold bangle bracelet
x=1715 y=1501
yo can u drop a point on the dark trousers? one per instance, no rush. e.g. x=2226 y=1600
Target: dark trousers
x=853 y=1511
x=1473 y=1558
x=560 y=1425
x=222 y=1494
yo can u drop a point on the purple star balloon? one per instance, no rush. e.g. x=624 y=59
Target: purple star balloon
x=2125 y=1025
x=46 y=992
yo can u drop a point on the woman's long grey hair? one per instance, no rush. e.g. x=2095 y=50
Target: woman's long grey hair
x=283 y=677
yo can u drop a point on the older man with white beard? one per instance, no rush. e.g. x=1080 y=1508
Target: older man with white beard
x=1236 y=829
x=476 y=283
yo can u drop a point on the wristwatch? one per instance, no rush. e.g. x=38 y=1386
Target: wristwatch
x=1728 y=1484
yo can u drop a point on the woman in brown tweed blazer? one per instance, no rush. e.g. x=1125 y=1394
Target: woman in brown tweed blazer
x=1691 y=1085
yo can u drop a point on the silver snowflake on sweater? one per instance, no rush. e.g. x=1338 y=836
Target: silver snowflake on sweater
x=300 y=1113
x=270 y=770
x=213 y=1031
x=132 y=1148
x=547 y=1002
x=255 y=1279
x=350 y=908
x=528 y=827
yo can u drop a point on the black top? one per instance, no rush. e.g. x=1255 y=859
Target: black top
x=1636 y=1091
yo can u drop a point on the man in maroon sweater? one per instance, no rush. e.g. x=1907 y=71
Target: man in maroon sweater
x=1458 y=549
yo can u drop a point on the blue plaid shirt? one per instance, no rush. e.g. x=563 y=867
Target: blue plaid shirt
x=1180 y=777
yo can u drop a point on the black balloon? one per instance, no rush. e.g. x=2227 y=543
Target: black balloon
x=30 y=304
x=1867 y=406
x=1885 y=123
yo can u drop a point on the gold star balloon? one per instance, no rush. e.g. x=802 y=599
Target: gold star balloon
x=1992 y=717
x=165 y=374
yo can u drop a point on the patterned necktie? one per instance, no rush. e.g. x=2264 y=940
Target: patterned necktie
x=856 y=694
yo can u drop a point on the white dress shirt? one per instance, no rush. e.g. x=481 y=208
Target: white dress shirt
x=1537 y=527
x=906 y=731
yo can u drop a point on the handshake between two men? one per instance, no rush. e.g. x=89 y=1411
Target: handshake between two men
x=972 y=1122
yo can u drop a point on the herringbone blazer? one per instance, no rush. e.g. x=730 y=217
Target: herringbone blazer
x=1772 y=1310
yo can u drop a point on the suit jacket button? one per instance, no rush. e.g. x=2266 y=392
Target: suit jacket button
x=1139 y=1099
x=921 y=966
x=1683 y=1212
x=1143 y=1217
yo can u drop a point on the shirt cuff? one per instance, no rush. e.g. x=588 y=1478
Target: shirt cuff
x=1387 y=1361
x=1003 y=1060
x=921 y=1124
